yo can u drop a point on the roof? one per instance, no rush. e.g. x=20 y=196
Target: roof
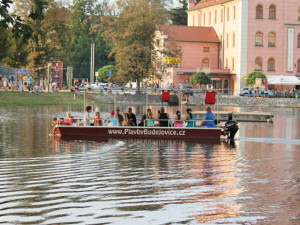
x=207 y=3
x=189 y=33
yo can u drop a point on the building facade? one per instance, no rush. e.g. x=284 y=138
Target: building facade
x=255 y=35
x=200 y=48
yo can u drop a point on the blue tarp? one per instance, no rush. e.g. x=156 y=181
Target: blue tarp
x=21 y=72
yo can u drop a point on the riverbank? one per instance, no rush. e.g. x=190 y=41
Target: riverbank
x=13 y=98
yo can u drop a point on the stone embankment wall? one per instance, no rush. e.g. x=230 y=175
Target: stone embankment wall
x=140 y=99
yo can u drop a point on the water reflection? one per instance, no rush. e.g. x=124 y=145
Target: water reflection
x=49 y=180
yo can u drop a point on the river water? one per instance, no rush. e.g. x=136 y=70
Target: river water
x=45 y=180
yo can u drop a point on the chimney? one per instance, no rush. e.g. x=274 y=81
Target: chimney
x=191 y=3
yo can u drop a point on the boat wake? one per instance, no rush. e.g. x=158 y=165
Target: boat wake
x=269 y=140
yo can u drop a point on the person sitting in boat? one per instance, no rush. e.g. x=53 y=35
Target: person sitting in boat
x=70 y=119
x=55 y=122
x=190 y=118
x=97 y=119
x=113 y=121
x=131 y=117
x=88 y=116
x=163 y=118
x=142 y=123
x=149 y=119
x=119 y=116
x=208 y=119
x=178 y=121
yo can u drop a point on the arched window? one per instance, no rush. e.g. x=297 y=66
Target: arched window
x=216 y=16
x=205 y=63
x=272 y=40
x=232 y=64
x=228 y=14
x=259 y=12
x=221 y=39
x=233 y=39
x=259 y=39
x=298 y=41
x=298 y=65
x=204 y=19
x=234 y=12
x=271 y=64
x=193 y=20
x=222 y=15
x=227 y=40
x=226 y=65
x=258 y=64
x=209 y=18
x=272 y=12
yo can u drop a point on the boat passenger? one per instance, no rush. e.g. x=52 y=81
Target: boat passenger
x=119 y=116
x=55 y=122
x=131 y=117
x=163 y=118
x=149 y=121
x=70 y=119
x=112 y=120
x=178 y=121
x=142 y=123
x=97 y=119
x=190 y=118
x=87 y=116
x=127 y=122
x=209 y=119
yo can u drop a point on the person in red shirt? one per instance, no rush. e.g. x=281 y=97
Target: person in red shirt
x=70 y=119
x=55 y=122
x=97 y=119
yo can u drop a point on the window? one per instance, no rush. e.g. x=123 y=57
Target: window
x=204 y=19
x=272 y=40
x=271 y=64
x=259 y=12
x=205 y=63
x=221 y=15
x=298 y=41
x=227 y=40
x=226 y=66
x=233 y=39
x=258 y=64
x=232 y=64
x=216 y=17
x=221 y=39
x=272 y=12
x=209 y=18
x=205 y=49
x=299 y=13
x=193 y=20
x=298 y=65
x=259 y=39
x=199 y=20
x=234 y=12
x=228 y=14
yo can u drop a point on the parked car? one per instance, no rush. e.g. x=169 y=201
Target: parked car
x=245 y=92
x=184 y=86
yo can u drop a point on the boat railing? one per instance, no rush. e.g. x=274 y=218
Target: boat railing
x=147 y=122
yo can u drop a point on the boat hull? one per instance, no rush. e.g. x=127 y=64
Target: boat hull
x=140 y=132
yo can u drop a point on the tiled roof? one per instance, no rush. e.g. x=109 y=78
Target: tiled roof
x=189 y=33
x=207 y=3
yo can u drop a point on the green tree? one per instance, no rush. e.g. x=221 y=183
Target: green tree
x=179 y=15
x=4 y=43
x=103 y=72
x=251 y=77
x=200 y=78
x=132 y=34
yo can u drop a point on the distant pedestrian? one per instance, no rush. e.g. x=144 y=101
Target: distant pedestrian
x=249 y=90
x=30 y=82
x=5 y=83
x=20 y=85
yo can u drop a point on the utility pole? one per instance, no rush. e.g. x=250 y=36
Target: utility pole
x=92 y=63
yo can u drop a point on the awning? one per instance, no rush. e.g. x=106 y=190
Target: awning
x=282 y=80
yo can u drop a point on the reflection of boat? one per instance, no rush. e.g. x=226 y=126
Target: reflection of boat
x=177 y=133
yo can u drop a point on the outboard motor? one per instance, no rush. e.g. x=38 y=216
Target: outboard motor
x=230 y=128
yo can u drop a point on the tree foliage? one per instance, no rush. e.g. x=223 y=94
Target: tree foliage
x=132 y=34
x=103 y=72
x=179 y=15
x=251 y=77
x=200 y=78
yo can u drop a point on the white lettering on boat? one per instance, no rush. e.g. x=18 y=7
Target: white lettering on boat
x=152 y=132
